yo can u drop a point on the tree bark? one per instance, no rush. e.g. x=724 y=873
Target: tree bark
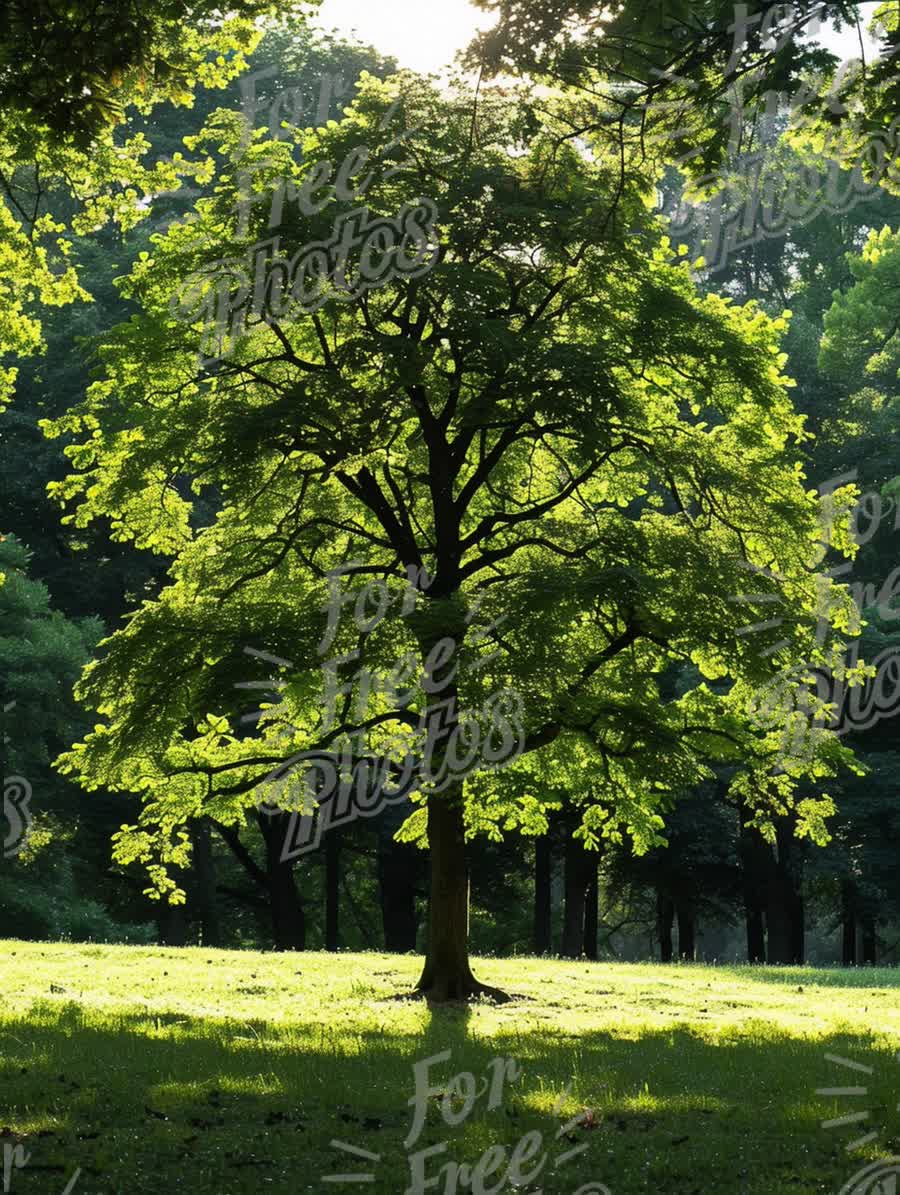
x=687 y=926
x=754 y=868
x=398 y=865
x=591 y=910
x=665 y=916
x=869 y=940
x=848 y=924
x=575 y=883
x=756 y=935
x=778 y=929
x=332 y=889
x=798 y=924
x=171 y=925
x=784 y=909
x=288 y=919
x=173 y=921
x=543 y=870
x=205 y=882
x=447 y=974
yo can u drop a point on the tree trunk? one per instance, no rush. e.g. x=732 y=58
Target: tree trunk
x=665 y=915
x=778 y=929
x=756 y=935
x=332 y=889
x=543 y=870
x=288 y=919
x=205 y=884
x=171 y=925
x=784 y=910
x=754 y=869
x=687 y=945
x=798 y=925
x=173 y=921
x=447 y=974
x=848 y=925
x=869 y=940
x=591 y=911
x=575 y=883
x=398 y=865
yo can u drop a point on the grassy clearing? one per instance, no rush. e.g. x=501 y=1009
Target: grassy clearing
x=210 y=1071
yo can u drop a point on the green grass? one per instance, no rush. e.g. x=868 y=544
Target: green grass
x=207 y=1071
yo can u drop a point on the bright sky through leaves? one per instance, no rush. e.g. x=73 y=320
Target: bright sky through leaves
x=423 y=36
x=426 y=36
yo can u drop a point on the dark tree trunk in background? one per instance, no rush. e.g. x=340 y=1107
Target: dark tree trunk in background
x=754 y=870
x=665 y=916
x=778 y=928
x=288 y=919
x=543 y=871
x=869 y=940
x=205 y=884
x=790 y=858
x=173 y=921
x=848 y=924
x=332 y=847
x=687 y=926
x=756 y=935
x=784 y=908
x=798 y=927
x=591 y=911
x=576 y=869
x=398 y=867
x=172 y=925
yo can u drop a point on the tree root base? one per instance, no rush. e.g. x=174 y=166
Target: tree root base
x=460 y=994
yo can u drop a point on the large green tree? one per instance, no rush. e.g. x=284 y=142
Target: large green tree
x=562 y=462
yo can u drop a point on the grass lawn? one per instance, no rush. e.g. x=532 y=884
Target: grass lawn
x=208 y=1071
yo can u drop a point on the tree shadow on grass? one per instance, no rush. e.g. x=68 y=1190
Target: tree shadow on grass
x=147 y=1103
